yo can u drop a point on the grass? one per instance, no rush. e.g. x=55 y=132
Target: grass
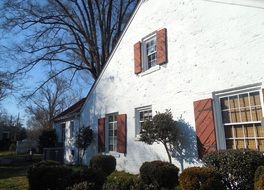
x=13 y=175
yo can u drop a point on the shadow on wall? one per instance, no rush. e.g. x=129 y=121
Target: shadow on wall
x=185 y=149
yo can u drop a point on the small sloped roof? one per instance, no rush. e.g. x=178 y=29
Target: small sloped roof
x=69 y=112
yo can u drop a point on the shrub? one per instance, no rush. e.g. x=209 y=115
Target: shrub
x=120 y=181
x=89 y=175
x=236 y=167
x=82 y=186
x=200 y=178
x=259 y=178
x=106 y=163
x=48 y=175
x=12 y=147
x=259 y=184
x=160 y=174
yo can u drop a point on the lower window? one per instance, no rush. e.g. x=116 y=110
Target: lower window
x=142 y=114
x=112 y=133
x=241 y=117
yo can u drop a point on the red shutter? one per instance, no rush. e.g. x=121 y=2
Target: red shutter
x=121 y=133
x=162 y=46
x=137 y=58
x=101 y=135
x=205 y=126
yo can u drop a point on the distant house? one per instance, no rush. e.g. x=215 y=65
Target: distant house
x=5 y=132
x=66 y=125
x=203 y=59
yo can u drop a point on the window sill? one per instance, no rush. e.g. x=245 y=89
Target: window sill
x=113 y=153
x=151 y=70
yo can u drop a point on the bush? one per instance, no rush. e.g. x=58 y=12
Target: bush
x=48 y=175
x=12 y=147
x=259 y=184
x=200 y=178
x=120 y=181
x=236 y=167
x=89 y=175
x=160 y=174
x=106 y=163
x=82 y=186
x=259 y=178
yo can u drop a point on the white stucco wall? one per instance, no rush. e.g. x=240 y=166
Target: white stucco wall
x=212 y=46
x=69 y=143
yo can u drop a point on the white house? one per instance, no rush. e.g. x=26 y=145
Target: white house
x=203 y=59
x=67 y=125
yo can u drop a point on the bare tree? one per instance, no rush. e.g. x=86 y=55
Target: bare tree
x=49 y=101
x=67 y=34
x=6 y=85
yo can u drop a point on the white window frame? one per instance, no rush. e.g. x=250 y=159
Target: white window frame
x=137 y=118
x=144 y=60
x=220 y=132
x=107 y=140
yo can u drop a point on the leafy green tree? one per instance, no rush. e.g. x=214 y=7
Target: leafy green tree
x=83 y=140
x=162 y=129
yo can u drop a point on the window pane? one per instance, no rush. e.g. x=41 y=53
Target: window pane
x=260 y=130
x=240 y=144
x=111 y=141
x=245 y=114
x=230 y=144
x=261 y=145
x=251 y=144
x=243 y=100
x=225 y=116
x=256 y=114
x=238 y=131
x=249 y=131
x=254 y=98
x=110 y=118
x=228 y=132
x=235 y=117
x=224 y=103
x=111 y=148
x=233 y=102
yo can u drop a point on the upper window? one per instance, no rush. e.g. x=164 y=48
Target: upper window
x=112 y=133
x=142 y=114
x=149 y=52
x=241 y=118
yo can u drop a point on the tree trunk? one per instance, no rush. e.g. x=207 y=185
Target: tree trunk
x=167 y=150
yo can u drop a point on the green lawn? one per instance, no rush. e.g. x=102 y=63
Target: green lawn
x=13 y=175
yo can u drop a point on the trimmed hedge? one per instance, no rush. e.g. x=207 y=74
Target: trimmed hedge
x=89 y=175
x=120 y=181
x=82 y=186
x=236 y=167
x=159 y=174
x=106 y=163
x=48 y=175
x=200 y=178
x=259 y=178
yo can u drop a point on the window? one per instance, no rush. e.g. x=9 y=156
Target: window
x=142 y=114
x=112 y=133
x=63 y=132
x=71 y=129
x=241 y=115
x=149 y=52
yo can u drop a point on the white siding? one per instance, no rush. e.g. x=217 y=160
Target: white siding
x=212 y=45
